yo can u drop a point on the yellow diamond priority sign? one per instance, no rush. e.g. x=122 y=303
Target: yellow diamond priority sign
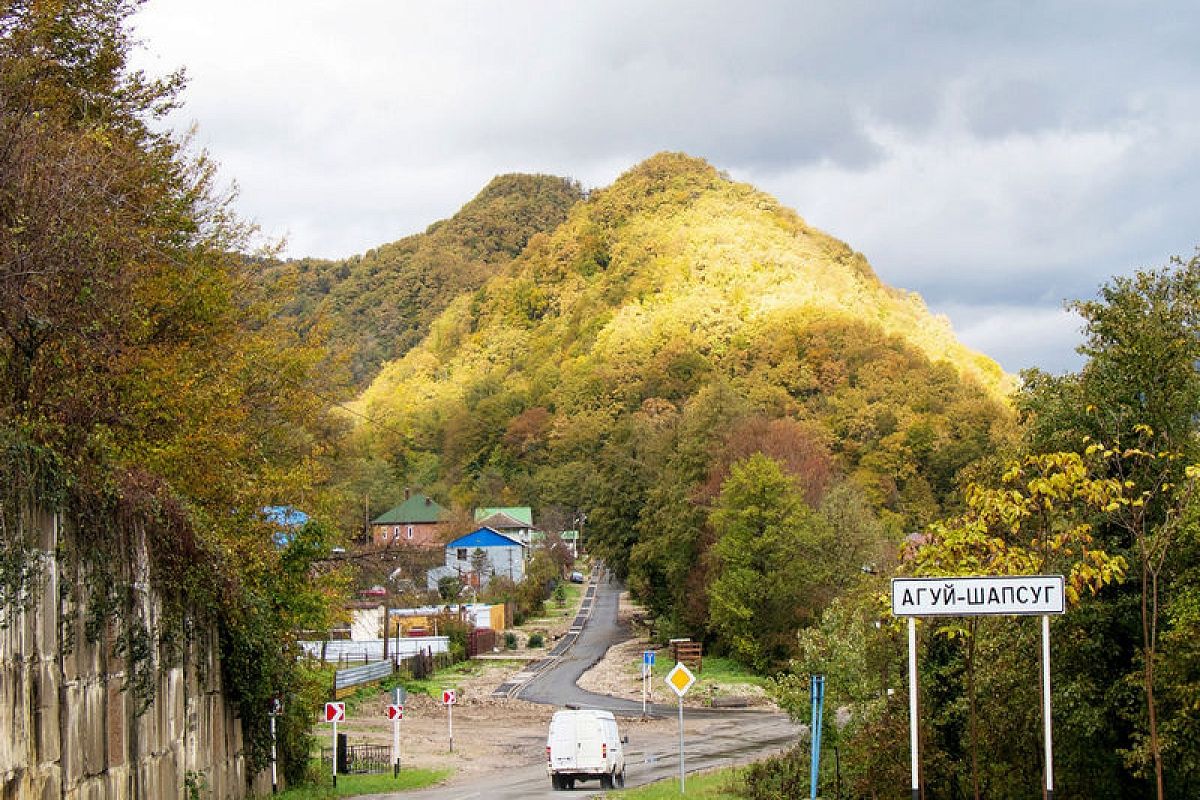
x=680 y=679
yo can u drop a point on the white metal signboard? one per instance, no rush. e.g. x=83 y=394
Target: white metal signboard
x=977 y=596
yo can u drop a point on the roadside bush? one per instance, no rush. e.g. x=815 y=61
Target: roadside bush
x=535 y=640
x=783 y=776
x=457 y=630
x=510 y=641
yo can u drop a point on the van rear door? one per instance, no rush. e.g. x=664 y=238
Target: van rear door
x=562 y=743
x=591 y=745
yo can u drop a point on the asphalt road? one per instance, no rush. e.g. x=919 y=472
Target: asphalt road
x=714 y=738
x=557 y=685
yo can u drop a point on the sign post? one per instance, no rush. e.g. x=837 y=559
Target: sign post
x=276 y=710
x=395 y=713
x=1020 y=595
x=817 y=690
x=334 y=712
x=680 y=679
x=399 y=696
x=449 y=698
x=647 y=672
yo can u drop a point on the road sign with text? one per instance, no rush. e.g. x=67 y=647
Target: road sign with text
x=978 y=596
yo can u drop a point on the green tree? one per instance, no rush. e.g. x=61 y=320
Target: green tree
x=1037 y=521
x=765 y=578
x=1139 y=393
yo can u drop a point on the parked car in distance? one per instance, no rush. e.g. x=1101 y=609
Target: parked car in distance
x=576 y=577
x=585 y=745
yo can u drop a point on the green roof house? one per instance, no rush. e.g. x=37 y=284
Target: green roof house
x=514 y=521
x=417 y=522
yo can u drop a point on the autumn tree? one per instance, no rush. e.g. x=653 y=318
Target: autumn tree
x=131 y=365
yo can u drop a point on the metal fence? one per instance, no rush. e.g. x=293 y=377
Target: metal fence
x=363 y=651
x=360 y=759
x=366 y=673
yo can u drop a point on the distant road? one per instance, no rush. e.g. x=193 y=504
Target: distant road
x=714 y=738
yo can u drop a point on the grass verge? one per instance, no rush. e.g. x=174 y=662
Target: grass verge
x=721 y=677
x=354 y=785
x=449 y=677
x=719 y=784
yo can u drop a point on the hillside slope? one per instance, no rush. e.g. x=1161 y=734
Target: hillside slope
x=377 y=305
x=673 y=312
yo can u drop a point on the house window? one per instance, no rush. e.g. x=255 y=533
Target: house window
x=410 y=531
x=395 y=531
x=462 y=554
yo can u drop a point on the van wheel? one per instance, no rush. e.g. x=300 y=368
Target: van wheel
x=621 y=779
x=606 y=781
x=555 y=782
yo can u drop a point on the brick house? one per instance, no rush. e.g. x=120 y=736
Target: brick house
x=417 y=522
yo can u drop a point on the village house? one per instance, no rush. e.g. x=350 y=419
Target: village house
x=513 y=521
x=479 y=555
x=417 y=522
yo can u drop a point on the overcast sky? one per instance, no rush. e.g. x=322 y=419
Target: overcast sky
x=997 y=158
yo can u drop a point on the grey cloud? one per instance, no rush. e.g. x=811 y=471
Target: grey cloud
x=980 y=153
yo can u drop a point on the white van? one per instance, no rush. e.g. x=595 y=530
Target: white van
x=585 y=745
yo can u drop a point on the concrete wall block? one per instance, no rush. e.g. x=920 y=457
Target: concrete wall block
x=52 y=784
x=67 y=730
x=16 y=717
x=47 y=713
x=91 y=716
x=45 y=630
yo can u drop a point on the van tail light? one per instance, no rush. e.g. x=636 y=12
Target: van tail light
x=604 y=750
x=547 y=754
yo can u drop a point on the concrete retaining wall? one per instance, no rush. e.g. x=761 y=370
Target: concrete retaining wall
x=68 y=726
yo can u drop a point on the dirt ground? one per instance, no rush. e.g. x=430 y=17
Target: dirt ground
x=489 y=734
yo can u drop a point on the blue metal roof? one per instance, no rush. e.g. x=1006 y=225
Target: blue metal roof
x=484 y=537
x=287 y=520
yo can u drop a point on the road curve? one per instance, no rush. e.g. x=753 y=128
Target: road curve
x=728 y=737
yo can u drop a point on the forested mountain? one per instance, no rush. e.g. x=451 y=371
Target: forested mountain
x=675 y=325
x=375 y=306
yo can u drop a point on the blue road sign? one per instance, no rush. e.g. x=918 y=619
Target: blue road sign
x=648 y=658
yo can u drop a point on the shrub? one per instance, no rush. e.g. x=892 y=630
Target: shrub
x=784 y=775
x=535 y=640
x=510 y=641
